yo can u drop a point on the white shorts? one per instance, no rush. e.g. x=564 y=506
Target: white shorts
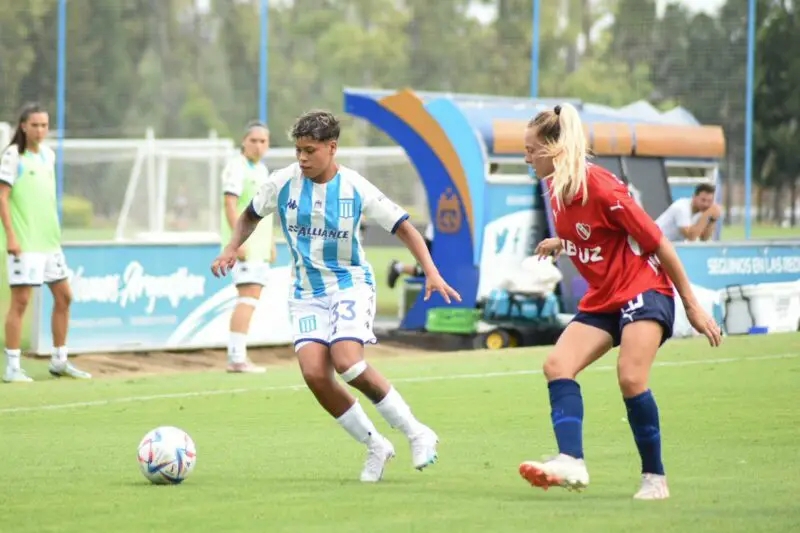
x=346 y=315
x=35 y=268
x=250 y=273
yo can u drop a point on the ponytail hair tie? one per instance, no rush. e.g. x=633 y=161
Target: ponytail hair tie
x=557 y=110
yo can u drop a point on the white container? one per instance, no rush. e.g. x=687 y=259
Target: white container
x=774 y=306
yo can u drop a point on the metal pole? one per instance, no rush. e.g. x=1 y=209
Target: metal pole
x=61 y=83
x=263 y=53
x=748 y=141
x=535 y=50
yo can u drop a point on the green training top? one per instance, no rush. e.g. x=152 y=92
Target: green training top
x=33 y=204
x=242 y=178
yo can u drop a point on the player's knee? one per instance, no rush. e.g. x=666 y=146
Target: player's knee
x=317 y=377
x=351 y=372
x=632 y=380
x=19 y=304
x=62 y=301
x=555 y=368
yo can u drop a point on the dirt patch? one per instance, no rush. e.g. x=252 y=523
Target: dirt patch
x=158 y=363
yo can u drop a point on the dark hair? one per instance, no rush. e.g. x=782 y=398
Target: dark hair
x=704 y=187
x=320 y=126
x=249 y=127
x=19 y=138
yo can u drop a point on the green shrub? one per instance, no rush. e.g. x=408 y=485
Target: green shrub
x=76 y=212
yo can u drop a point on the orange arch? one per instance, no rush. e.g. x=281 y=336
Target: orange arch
x=408 y=107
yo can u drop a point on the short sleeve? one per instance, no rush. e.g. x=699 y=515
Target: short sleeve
x=378 y=207
x=265 y=202
x=622 y=211
x=9 y=166
x=683 y=214
x=233 y=178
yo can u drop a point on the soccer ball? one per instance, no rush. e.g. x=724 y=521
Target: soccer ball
x=167 y=455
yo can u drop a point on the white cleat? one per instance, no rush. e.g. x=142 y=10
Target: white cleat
x=379 y=452
x=247 y=367
x=560 y=471
x=16 y=375
x=654 y=487
x=66 y=370
x=423 y=448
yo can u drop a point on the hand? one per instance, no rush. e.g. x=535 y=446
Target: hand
x=241 y=253
x=13 y=246
x=435 y=282
x=224 y=263
x=549 y=247
x=705 y=324
x=714 y=211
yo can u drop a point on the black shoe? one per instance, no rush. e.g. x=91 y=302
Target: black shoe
x=393 y=275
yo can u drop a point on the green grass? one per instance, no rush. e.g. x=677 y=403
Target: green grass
x=269 y=459
x=759 y=232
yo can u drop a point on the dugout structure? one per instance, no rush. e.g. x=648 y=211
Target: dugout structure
x=487 y=211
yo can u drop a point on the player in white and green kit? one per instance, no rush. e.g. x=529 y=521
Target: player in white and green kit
x=241 y=179
x=32 y=235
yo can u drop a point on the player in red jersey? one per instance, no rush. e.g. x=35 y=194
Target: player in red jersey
x=628 y=265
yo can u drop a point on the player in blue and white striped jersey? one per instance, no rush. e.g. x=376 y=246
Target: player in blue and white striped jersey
x=321 y=205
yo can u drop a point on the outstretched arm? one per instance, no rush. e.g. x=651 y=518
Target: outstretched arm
x=434 y=282
x=699 y=319
x=245 y=226
x=413 y=240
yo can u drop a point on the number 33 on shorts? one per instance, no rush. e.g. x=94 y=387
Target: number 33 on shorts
x=345 y=315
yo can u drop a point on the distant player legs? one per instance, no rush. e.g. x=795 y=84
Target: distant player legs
x=62 y=298
x=640 y=342
x=577 y=347
x=20 y=296
x=241 y=317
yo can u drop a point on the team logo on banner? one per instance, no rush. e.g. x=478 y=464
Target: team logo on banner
x=346 y=208
x=448 y=212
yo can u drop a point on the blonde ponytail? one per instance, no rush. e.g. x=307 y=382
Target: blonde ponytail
x=561 y=131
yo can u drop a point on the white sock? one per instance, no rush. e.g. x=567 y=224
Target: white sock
x=59 y=354
x=12 y=358
x=237 y=347
x=398 y=267
x=356 y=422
x=394 y=409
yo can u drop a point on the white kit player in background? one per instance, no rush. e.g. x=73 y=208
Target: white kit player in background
x=241 y=179
x=321 y=205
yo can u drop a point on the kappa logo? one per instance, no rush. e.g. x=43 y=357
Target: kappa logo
x=448 y=212
x=583 y=230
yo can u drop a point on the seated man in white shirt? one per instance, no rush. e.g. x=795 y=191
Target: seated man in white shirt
x=691 y=218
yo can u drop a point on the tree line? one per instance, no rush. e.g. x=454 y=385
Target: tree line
x=184 y=67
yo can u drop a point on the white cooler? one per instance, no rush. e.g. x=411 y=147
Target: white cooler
x=774 y=307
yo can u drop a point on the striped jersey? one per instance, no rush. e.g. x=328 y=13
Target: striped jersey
x=321 y=223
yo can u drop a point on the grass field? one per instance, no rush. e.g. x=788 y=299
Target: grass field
x=269 y=459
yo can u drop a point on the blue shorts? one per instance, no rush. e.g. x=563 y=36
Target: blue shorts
x=650 y=305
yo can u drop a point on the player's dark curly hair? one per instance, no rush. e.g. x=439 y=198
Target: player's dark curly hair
x=320 y=126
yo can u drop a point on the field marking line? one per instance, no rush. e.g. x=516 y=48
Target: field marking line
x=423 y=379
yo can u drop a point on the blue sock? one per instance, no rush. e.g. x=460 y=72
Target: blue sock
x=643 y=418
x=566 y=412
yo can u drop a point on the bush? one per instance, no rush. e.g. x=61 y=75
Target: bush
x=76 y=212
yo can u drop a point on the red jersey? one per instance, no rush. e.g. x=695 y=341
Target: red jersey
x=611 y=241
